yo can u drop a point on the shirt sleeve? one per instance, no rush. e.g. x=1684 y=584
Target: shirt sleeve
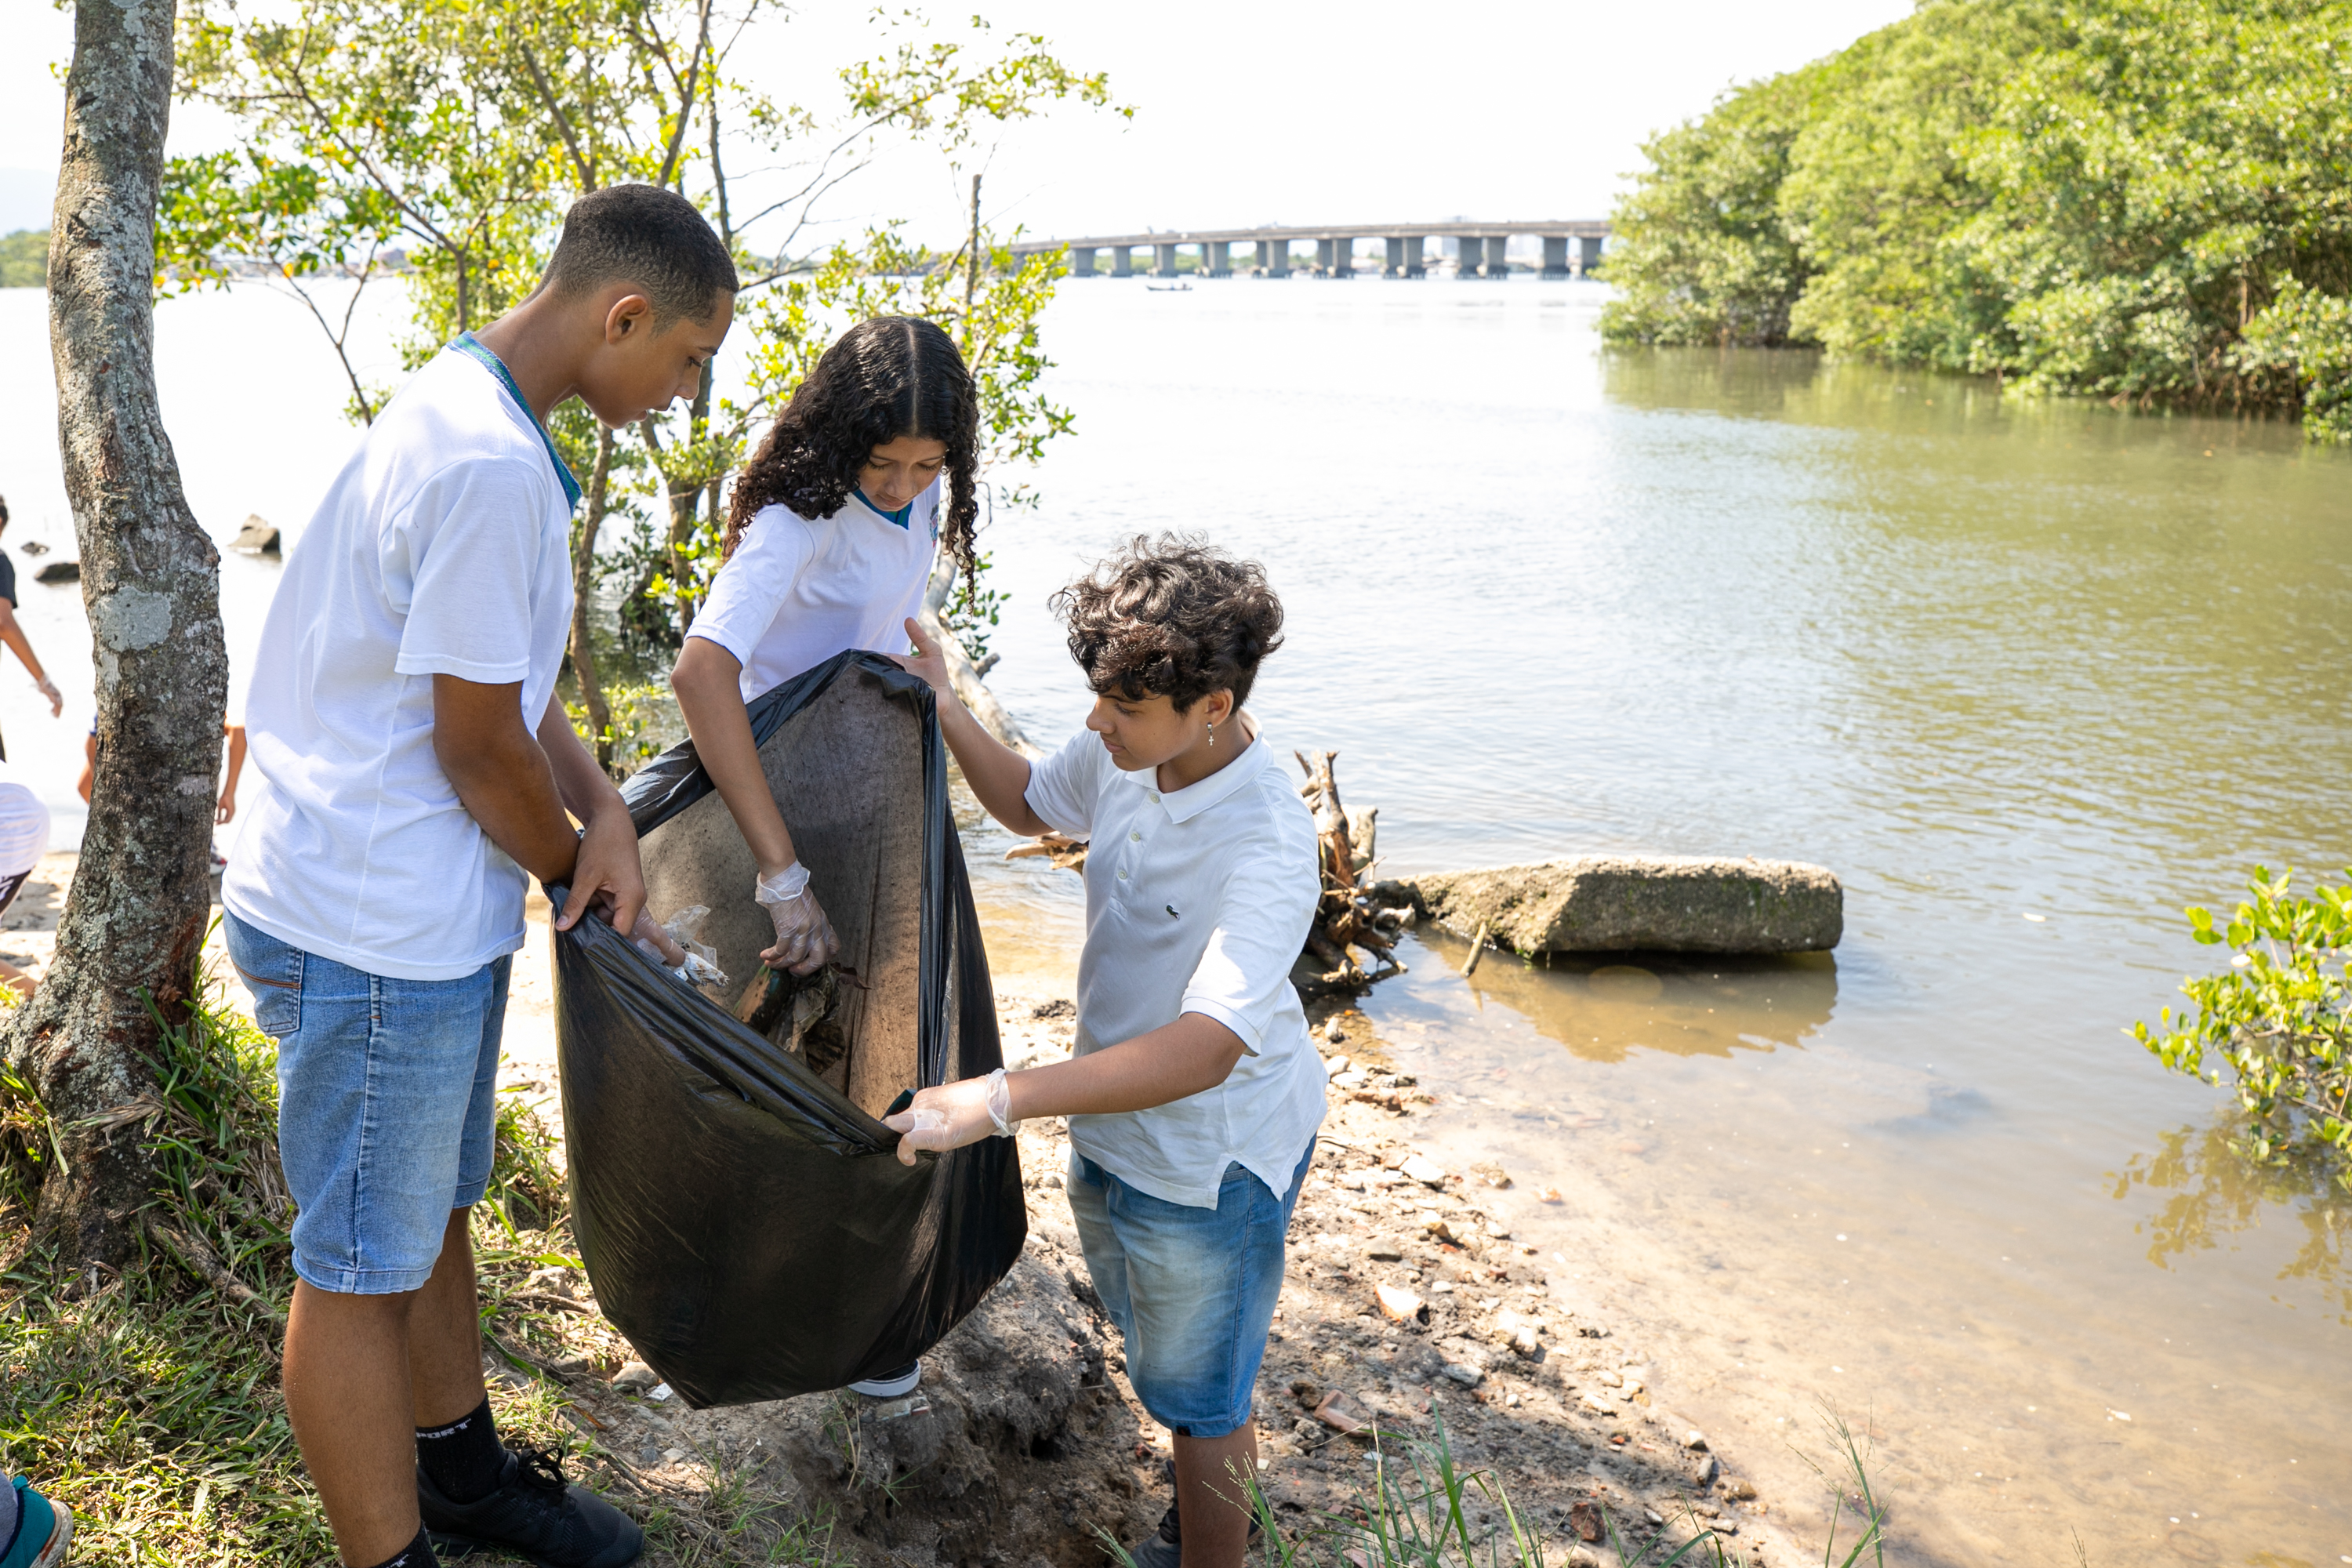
x=460 y=564
x=1262 y=921
x=751 y=587
x=1063 y=787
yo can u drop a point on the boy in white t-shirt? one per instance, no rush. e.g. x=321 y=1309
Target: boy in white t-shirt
x=1195 y=1094
x=403 y=712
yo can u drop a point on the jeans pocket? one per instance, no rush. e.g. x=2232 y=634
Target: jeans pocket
x=277 y=1003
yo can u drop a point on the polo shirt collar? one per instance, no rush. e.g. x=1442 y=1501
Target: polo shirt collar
x=1184 y=804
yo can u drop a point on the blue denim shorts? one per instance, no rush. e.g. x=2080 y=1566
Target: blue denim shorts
x=1192 y=1290
x=387 y=1106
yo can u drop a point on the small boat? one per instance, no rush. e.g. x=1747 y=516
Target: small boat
x=1169 y=288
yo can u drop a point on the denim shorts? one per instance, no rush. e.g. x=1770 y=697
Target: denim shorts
x=1192 y=1290
x=387 y=1106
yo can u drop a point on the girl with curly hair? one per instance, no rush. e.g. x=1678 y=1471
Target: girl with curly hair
x=831 y=534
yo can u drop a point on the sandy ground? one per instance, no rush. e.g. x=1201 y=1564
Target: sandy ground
x=1409 y=1303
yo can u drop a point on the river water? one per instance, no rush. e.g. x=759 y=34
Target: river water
x=2029 y=678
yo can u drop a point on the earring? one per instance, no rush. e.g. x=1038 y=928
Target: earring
x=1212 y=737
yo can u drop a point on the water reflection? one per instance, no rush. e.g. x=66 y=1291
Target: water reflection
x=1605 y=1006
x=2212 y=1193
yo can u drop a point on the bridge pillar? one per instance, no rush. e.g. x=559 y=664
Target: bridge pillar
x=1343 y=258
x=1216 y=259
x=1472 y=258
x=1496 y=266
x=1394 y=264
x=1082 y=260
x=1122 y=262
x=1588 y=254
x=1414 y=264
x=1555 y=255
x=1322 y=256
x=1275 y=255
x=1164 y=261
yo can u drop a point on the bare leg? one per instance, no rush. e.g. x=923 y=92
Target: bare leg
x=1213 y=1509
x=445 y=1334
x=359 y=1371
x=17 y=980
x=347 y=1395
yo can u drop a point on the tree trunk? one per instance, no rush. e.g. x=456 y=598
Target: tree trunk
x=135 y=919
x=583 y=601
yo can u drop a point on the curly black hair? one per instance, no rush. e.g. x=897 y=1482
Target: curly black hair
x=1176 y=617
x=883 y=378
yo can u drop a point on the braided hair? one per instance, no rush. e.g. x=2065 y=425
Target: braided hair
x=882 y=379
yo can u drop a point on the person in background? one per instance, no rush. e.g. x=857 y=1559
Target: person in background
x=13 y=635
x=1194 y=1095
x=24 y=839
x=33 y=1532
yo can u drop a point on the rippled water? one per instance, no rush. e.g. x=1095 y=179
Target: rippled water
x=2027 y=678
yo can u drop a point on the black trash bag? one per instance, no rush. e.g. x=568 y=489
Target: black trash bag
x=742 y=1213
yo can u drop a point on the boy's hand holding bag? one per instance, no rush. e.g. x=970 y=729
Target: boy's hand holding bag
x=953 y=1115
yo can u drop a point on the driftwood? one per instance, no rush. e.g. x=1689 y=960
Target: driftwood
x=1347 y=922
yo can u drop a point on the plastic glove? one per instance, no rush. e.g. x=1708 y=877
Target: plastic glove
x=57 y=698
x=804 y=939
x=953 y=1115
x=674 y=947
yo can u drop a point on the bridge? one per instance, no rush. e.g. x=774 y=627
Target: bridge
x=1335 y=248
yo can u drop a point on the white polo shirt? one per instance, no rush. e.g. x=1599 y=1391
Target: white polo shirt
x=797 y=591
x=442 y=547
x=1197 y=901
x=24 y=826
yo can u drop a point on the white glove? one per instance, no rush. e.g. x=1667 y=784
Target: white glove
x=804 y=939
x=57 y=698
x=953 y=1115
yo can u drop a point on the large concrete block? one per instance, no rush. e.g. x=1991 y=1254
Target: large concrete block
x=1617 y=903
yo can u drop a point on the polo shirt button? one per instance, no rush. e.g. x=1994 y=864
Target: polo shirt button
x=1122 y=876
x=1136 y=837
x=1154 y=794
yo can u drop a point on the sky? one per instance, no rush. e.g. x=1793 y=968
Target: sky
x=1245 y=113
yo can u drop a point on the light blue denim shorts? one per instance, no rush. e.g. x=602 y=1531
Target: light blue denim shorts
x=387 y=1106
x=1192 y=1290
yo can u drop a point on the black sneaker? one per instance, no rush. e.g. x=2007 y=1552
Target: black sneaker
x=1164 y=1548
x=534 y=1515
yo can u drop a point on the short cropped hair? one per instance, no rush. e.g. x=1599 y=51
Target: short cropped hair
x=1175 y=617
x=648 y=237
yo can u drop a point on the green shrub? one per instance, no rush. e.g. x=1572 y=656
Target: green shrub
x=2275 y=1017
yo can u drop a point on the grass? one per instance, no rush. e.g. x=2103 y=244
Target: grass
x=150 y=1404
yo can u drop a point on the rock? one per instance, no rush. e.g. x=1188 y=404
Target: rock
x=258 y=537
x=1307 y=1395
x=1549 y=1195
x=60 y=572
x=1015 y=1441
x=1333 y=1032
x=1696 y=1441
x=1657 y=1520
x=1740 y=1491
x=1340 y=1414
x=1616 y=903
x=673 y=1455
x=33 y=547
x=1596 y=1404
x=1424 y=1170
x=1400 y=1305
x=1348 y=1078
x=634 y=1377
x=1438 y=1230
x=1493 y=1175
x=1333 y=1066
x=1586 y=1519
x=1463 y=1373
x=1611 y=1379
x=1385 y=1253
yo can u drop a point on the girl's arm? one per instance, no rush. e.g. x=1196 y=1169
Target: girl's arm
x=997 y=774
x=14 y=636
x=1193 y=1054
x=708 y=683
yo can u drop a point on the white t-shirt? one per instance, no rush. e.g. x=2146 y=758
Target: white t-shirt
x=440 y=549
x=24 y=826
x=798 y=591
x=1197 y=901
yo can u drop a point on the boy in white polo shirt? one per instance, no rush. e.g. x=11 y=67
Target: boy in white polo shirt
x=1195 y=1094
x=404 y=711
